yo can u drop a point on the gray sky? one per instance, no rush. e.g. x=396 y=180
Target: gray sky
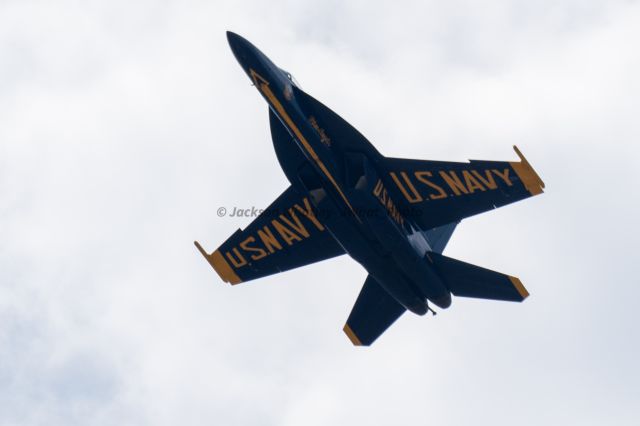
x=123 y=127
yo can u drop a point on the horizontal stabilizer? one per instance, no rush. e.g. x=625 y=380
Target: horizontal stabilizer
x=466 y=280
x=375 y=310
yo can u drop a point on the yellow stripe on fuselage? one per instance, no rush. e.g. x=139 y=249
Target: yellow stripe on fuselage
x=263 y=86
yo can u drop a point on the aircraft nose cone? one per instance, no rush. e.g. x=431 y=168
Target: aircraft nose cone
x=235 y=41
x=231 y=37
x=239 y=46
x=248 y=56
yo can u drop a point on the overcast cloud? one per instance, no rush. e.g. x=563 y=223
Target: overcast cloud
x=125 y=126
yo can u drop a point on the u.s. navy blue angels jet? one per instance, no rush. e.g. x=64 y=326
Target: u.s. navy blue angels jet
x=393 y=216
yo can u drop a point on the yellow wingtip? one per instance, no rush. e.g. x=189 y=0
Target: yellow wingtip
x=351 y=335
x=222 y=268
x=519 y=287
x=527 y=174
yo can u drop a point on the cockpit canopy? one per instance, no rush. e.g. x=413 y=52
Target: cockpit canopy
x=291 y=78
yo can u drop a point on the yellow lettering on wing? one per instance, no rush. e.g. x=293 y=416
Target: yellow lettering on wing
x=287 y=235
x=416 y=198
x=422 y=177
x=308 y=213
x=297 y=226
x=472 y=182
x=486 y=180
x=237 y=261
x=268 y=239
x=504 y=176
x=246 y=247
x=265 y=241
x=454 y=182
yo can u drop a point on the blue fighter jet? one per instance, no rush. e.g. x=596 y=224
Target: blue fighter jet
x=393 y=216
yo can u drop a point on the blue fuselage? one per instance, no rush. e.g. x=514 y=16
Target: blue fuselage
x=360 y=215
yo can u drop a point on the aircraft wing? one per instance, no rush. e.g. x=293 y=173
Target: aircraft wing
x=437 y=193
x=284 y=236
x=374 y=311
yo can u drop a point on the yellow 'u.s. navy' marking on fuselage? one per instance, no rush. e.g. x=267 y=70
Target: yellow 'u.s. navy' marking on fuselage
x=380 y=192
x=263 y=86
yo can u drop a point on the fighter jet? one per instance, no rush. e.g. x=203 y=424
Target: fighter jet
x=393 y=216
